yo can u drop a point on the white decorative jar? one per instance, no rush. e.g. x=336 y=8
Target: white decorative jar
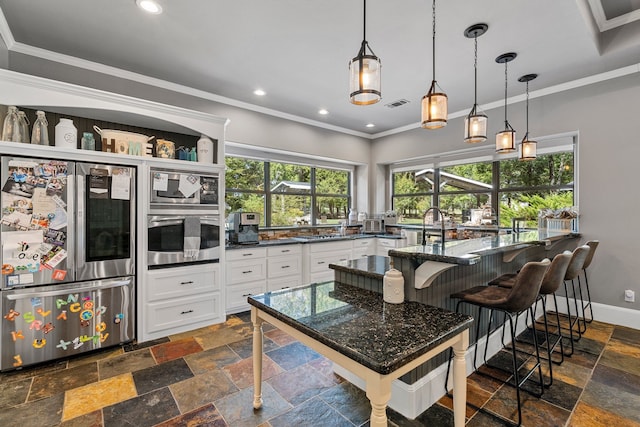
x=66 y=134
x=204 y=147
x=393 y=286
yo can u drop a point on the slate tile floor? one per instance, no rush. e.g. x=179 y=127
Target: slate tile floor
x=203 y=378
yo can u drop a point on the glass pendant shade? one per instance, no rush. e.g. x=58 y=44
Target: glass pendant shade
x=434 y=108
x=364 y=78
x=506 y=140
x=475 y=127
x=528 y=149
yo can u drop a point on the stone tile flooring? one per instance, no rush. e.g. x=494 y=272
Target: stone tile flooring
x=203 y=378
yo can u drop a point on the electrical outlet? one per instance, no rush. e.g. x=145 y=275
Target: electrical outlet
x=629 y=296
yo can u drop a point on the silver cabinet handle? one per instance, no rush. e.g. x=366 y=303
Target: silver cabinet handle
x=187 y=312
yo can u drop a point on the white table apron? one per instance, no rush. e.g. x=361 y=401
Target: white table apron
x=378 y=386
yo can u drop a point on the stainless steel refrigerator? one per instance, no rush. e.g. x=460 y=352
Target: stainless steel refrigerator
x=67 y=236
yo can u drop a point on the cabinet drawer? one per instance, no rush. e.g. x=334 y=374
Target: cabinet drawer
x=183 y=311
x=180 y=282
x=284 y=266
x=362 y=253
x=284 y=250
x=239 y=272
x=320 y=262
x=238 y=254
x=364 y=243
x=284 y=282
x=387 y=243
x=237 y=295
x=323 y=276
x=330 y=246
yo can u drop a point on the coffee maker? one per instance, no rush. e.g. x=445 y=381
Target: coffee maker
x=243 y=228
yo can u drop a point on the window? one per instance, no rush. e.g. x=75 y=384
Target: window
x=477 y=193
x=287 y=194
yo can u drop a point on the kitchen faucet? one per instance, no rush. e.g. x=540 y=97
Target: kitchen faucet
x=424 y=225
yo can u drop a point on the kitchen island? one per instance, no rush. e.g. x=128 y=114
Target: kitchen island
x=431 y=274
x=377 y=341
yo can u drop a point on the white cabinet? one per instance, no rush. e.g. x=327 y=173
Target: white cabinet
x=180 y=299
x=246 y=274
x=363 y=247
x=383 y=245
x=284 y=266
x=320 y=254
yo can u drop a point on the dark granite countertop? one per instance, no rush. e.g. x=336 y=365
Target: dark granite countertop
x=360 y=325
x=468 y=252
x=373 y=266
x=311 y=239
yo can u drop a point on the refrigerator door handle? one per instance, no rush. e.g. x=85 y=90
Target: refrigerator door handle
x=80 y=242
x=35 y=293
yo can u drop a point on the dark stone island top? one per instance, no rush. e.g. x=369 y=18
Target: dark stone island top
x=373 y=266
x=360 y=325
x=469 y=252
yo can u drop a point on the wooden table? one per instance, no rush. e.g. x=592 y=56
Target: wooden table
x=377 y=341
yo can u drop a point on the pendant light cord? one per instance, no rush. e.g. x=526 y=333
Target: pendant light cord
x=527 y=134
x=475 y=72
x=364 y=22
x=506 y=123
x=433 y=13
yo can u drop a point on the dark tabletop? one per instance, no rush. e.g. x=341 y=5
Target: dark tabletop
x=360 y=325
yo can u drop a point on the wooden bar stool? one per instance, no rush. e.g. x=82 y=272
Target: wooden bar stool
x=512 y=302
x=553 y=278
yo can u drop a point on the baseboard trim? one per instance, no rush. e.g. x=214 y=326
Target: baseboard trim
x=601 y=312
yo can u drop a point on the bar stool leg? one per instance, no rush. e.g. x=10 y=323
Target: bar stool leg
x=588 y=304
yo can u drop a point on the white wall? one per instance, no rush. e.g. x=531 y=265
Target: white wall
x=606 y=116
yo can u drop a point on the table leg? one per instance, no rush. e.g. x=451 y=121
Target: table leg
x=257 y=359
x=460 y=379
x=379 y=393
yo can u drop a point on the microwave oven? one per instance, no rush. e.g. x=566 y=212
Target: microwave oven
x=172 y=189
x=166 y=240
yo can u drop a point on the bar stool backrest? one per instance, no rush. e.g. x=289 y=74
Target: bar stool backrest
x=593 y=244
x=578 y=257
x=554 y=276
x=526 y=287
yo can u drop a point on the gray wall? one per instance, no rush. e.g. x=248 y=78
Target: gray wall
x=606 y=117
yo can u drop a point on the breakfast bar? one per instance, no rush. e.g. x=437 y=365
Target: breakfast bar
x=356 y=329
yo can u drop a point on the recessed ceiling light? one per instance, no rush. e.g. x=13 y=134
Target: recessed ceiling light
x=370 y=125
x=323 y=112
x=259 y=92
x=149 y=6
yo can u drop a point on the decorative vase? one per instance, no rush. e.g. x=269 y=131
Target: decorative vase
x=205 y=150
x=66 y=134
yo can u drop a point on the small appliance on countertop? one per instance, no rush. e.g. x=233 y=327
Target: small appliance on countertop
x=244 y=228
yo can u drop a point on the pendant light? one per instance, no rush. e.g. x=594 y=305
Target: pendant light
x=527 y=147
x=434 y=103
x=505 y=140
x=364 y=72
x=475 y=124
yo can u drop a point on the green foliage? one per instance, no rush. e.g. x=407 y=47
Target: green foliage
x=527 y=206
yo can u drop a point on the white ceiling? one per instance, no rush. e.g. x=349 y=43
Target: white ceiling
x=298 y=50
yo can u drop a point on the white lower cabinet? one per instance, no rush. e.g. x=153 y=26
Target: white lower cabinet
x=284 y=267
x=246 y=274
x=320 y=254
x=364 y=247
x=383 y=245
x=181 y=299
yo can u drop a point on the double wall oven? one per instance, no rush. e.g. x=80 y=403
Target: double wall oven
x=183 y=226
